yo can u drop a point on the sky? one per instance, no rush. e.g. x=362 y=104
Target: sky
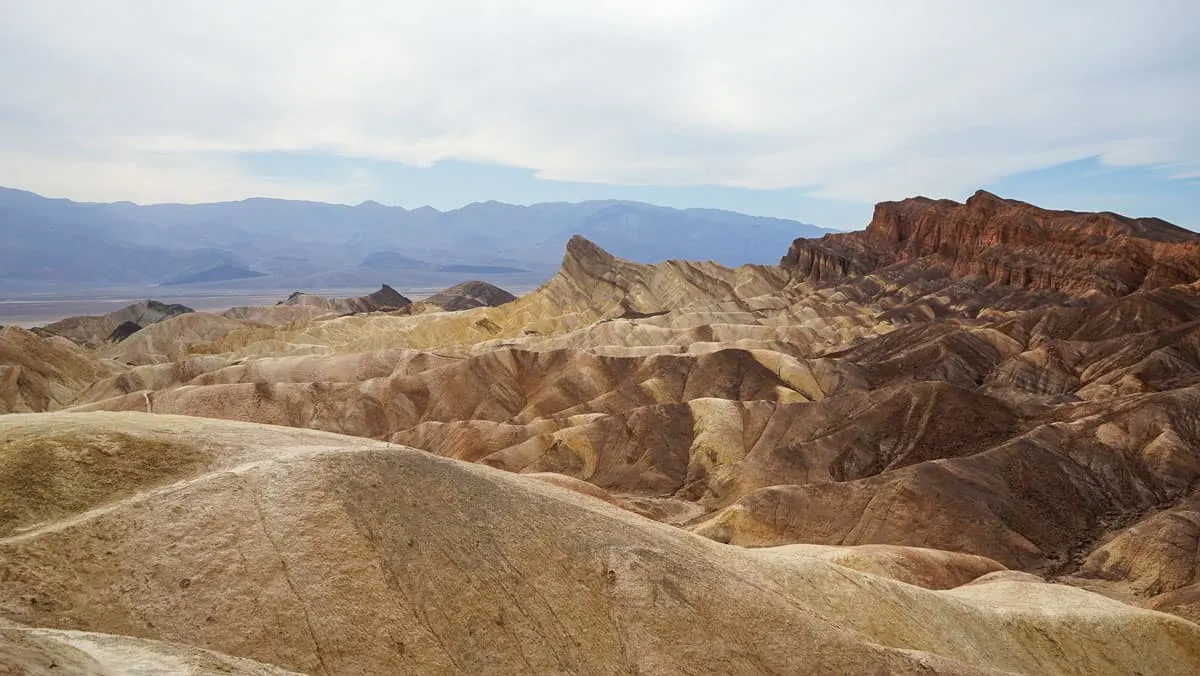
x=791 y=108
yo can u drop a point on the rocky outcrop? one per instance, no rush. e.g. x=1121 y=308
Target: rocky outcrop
x=829 y=259
x=591 y=276
x=92 y=331
x=172 y=339
x=468 y=295
x=386 y=298
x=1009 y=243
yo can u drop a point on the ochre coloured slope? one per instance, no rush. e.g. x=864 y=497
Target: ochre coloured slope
x=508 y=574
x=58 y=652
x=40 y=373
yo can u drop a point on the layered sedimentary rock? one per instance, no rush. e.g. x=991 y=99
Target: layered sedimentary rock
x=40 y=373
x=1010 y=243
x=970 y=398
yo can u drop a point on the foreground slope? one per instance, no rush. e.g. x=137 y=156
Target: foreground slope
x=58 y=652
x=377 y=559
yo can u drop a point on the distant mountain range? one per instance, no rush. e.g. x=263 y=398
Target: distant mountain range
x=270 y=243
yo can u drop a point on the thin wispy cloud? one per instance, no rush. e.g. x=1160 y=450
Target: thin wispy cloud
x=855 y=100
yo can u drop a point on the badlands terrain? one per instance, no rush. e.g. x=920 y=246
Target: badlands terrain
x=965 y=440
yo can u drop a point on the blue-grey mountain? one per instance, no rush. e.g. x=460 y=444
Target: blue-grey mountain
x=270 y=243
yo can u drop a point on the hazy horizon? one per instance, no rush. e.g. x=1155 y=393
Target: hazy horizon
x=366 y=202
x=801 y=111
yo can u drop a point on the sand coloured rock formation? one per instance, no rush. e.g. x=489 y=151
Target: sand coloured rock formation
x=968 y=398
x=96 y=330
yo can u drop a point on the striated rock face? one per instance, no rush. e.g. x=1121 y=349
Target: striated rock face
x=1009 y=243
x=39 y=373
x=830 y=259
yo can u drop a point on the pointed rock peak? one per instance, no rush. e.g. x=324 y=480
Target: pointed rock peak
x=386 y=296
x=586 y=261
x=476 y=286
x=982 y=194
x=983 y=200
x=297 y=298
x=583 y=248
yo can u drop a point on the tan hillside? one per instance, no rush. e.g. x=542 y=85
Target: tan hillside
x=335 y=535
x=40 y=373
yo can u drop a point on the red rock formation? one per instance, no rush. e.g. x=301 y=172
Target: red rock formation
x=1010 y=243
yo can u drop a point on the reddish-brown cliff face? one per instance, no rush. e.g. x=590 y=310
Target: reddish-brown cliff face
x=1011 y=243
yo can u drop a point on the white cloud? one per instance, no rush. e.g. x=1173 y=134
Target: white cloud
x=862 y=100
x=146 y=178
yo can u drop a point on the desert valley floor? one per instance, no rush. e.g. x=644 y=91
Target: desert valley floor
x=965 y=440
